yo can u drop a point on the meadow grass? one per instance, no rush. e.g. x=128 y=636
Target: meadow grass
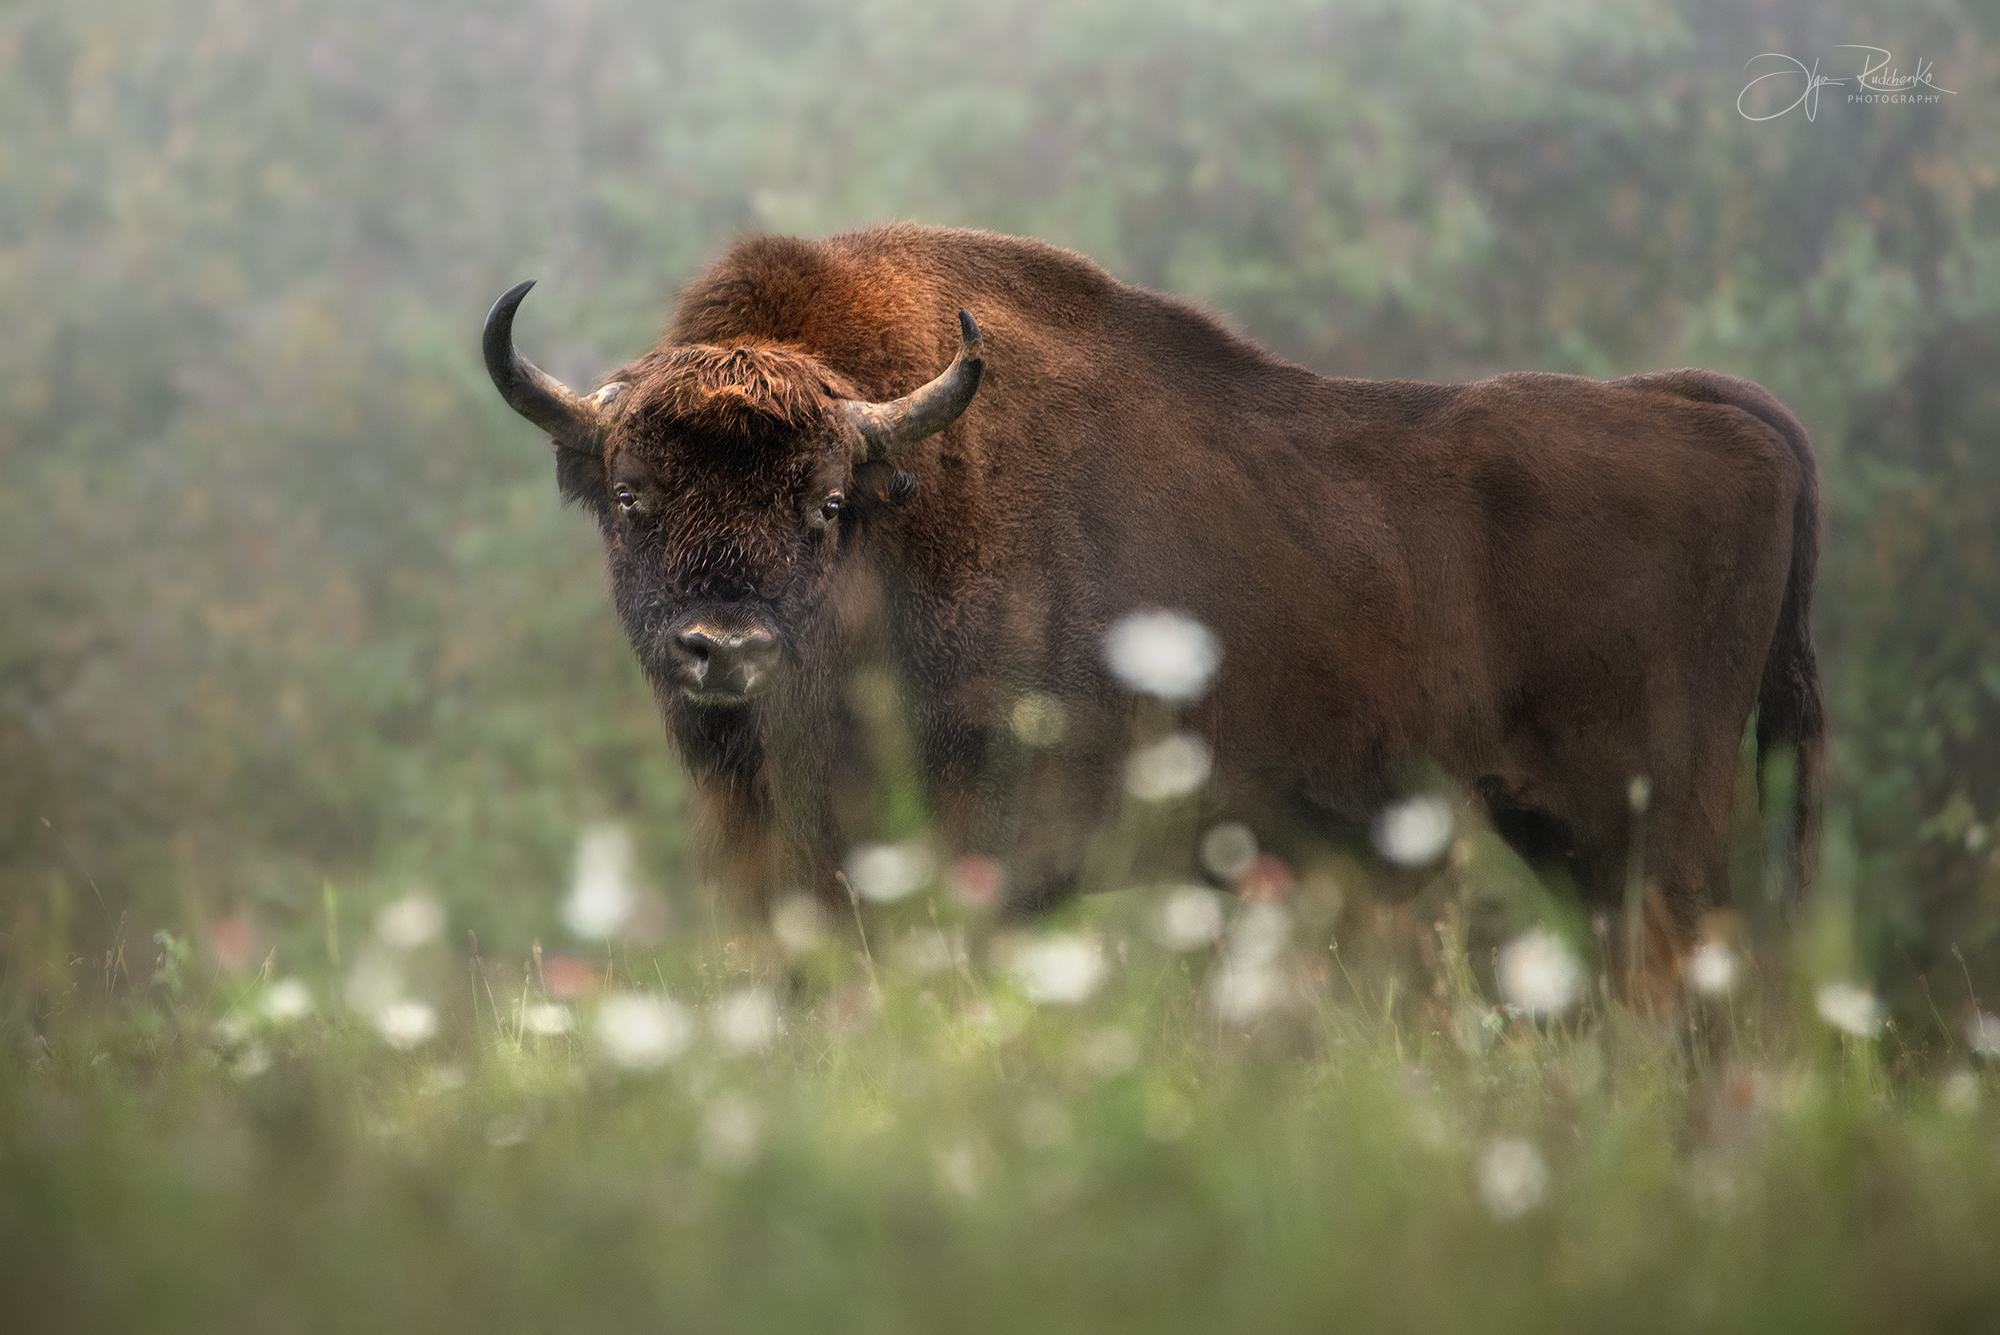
x=902 y=1138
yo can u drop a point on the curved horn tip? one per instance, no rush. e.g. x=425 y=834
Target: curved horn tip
x=968 y=333
x=510 y=300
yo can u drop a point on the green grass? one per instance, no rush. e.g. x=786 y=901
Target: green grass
x=936 y=1152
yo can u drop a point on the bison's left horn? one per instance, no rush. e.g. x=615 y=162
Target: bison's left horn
x=572 y=420
x=886 y=428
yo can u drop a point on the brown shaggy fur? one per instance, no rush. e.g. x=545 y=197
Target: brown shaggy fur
x=1539 y=584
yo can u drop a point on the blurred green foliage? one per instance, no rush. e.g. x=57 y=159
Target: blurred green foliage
x=287 y=592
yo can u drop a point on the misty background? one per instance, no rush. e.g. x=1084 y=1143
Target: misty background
x=287 y=598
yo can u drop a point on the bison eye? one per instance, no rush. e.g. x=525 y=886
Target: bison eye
x=829 y=509
x=628 y=499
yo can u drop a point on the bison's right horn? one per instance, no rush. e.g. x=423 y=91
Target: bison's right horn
x=572 y=420
x=886 y=428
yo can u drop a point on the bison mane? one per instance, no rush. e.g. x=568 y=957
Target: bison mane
x=747 y=392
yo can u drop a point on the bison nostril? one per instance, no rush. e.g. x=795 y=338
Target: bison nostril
x=727 y=661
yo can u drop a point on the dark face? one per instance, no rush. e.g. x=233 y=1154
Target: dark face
x=720 y=550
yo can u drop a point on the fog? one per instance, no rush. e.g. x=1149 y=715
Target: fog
x=287 y=598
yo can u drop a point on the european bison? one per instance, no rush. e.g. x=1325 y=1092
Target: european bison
x=1541 y=584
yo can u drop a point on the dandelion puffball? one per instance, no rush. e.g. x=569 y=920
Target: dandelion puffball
x=602 y=896
x=1413 y=833
x=1171 y=767
x=640 y=1032
x=882 y=873
x=1538 y=974
x=1513 y=1178
x=1163 y=653
x=1061 y=969
x=1850 y=1009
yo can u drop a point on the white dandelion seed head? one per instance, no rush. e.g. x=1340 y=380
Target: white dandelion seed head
x=1513 y=1178
x=1241 y=990
x=603 y=894
x=1060 y=969
x=1414 y=832
x=732 y=1132
x=1538 y=973
x=1228 y=849
x=410 y=922
x=1850 y=1009
x=747 y=1019
x=1038 y=720
x=881 y=873
x=1189 y=918
x=1259 y=933
x=1982 y=1034
x=374 y=982
x=1711 y=969
x=406 y=1024
x=1171 y=767
x=796 y=922
x=550 y=1019
x=1163 y=653
x=288 y=999
x=230 y=1030
x=640 y=1032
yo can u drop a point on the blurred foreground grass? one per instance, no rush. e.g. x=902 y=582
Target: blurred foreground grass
x=730 y=1134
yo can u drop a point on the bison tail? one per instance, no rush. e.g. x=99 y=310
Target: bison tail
x=1790 y=714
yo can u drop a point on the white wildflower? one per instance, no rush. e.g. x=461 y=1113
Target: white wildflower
x=640 y=1032
x=747 y=1019
x=1259 y=933
x=1711 y=969
x=548 y=1018
x=1414 y=832
x=884 y=872
x=1538 y=974
x=288 y=999
x=1060 y=969
x=231 y=1029
x=603 y=894
x=1513 y=1178
x=410 y=922
x=1172 y=767
x=406 y=1024
x=1850 y=1009
x=1239 y=991
x=1248 y=981
x=1982 y=1034
x=1228 y=849
x=1163 y=653
x=375 y=981
x=1188 y=918
x=795 y=920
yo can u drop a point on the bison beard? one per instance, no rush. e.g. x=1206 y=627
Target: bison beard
x=1540 y=584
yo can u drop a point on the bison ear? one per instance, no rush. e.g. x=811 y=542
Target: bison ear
x=581 y=478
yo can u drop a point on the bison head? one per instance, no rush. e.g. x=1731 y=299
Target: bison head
x=723 y=478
